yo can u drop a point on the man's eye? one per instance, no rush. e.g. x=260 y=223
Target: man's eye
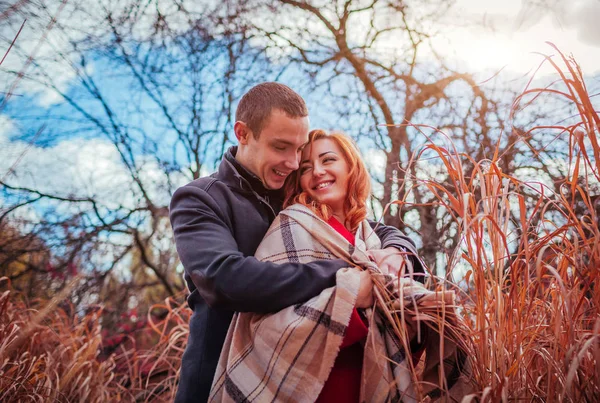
x=279 y=148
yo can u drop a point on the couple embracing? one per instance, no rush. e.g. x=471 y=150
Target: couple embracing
x=280 y=261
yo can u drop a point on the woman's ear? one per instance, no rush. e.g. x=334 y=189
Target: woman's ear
x=242 y=132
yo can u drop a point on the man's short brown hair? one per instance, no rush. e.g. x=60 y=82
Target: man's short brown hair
x=256 y=105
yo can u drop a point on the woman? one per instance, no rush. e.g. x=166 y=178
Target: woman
x=328 y=169
x=324 y=350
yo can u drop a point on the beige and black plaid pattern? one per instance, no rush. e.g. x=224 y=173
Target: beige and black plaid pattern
x=287 y=356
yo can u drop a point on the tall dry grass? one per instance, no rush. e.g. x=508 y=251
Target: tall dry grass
x=47 y=354
x=530 y=297
x=50 y=353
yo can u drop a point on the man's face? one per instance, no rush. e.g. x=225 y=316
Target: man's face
x=276 y=153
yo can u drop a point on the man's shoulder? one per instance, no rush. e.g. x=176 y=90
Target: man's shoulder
x=201 y=187
x=206 y=193
x=204 y=183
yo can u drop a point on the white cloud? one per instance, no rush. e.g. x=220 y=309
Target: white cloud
x=52 y=50
x=46 y=49
x=83 y=168
x=583 y=17
x=375 y=161
x=7 y=127
x=489 y=36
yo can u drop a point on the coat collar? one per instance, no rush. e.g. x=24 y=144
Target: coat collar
x=236 y=176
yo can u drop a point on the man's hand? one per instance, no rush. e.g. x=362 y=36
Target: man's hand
x=389 y=260
x=364 y=299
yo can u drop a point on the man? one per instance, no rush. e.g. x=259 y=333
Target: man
x=220 y=220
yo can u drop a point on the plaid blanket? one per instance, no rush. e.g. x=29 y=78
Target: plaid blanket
x=287 y=356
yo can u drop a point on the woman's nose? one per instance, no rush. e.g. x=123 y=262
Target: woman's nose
x=318 y=170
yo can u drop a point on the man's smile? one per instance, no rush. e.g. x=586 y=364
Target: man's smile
x=280 y=173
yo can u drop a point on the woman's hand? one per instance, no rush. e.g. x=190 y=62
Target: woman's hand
x=364 y=299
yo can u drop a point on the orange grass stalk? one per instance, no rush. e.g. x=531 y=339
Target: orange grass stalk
x=52 y=354
x=532 y=305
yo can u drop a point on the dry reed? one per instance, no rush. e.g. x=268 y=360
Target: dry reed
x=50 y=354
x=531 y=303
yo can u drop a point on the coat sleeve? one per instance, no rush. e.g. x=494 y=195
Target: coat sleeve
x=227 y=279
x=392 y=237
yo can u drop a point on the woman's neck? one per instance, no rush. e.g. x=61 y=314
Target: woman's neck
x=341 y=217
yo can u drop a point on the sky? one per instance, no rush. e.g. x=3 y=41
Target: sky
x=488 y=35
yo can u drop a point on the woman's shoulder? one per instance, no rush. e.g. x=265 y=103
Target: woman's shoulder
x=296 y=207
x=299 y=212
x=296 y=213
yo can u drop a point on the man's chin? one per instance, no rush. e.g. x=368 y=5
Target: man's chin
x=274 y=184
x=274 y=187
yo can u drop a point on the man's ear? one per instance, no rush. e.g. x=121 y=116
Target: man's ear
x=242 y=132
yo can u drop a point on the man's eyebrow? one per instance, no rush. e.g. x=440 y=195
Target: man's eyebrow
x=286 y=142
x=320 y=155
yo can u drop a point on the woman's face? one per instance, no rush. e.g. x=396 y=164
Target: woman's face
x=324 y=173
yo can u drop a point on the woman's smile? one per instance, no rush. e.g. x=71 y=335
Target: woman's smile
x=323 y=185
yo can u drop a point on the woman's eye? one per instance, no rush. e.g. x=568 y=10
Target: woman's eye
x=328 y=159
x=304 y=170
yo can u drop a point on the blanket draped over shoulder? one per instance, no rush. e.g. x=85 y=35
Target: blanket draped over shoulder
x=287 y=356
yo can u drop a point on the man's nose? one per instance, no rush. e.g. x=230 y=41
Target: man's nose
x=293 y=162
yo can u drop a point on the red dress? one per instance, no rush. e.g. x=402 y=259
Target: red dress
x=343 y=384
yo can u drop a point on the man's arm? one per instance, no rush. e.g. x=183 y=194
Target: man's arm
x=227 y=279
x=391 y=237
